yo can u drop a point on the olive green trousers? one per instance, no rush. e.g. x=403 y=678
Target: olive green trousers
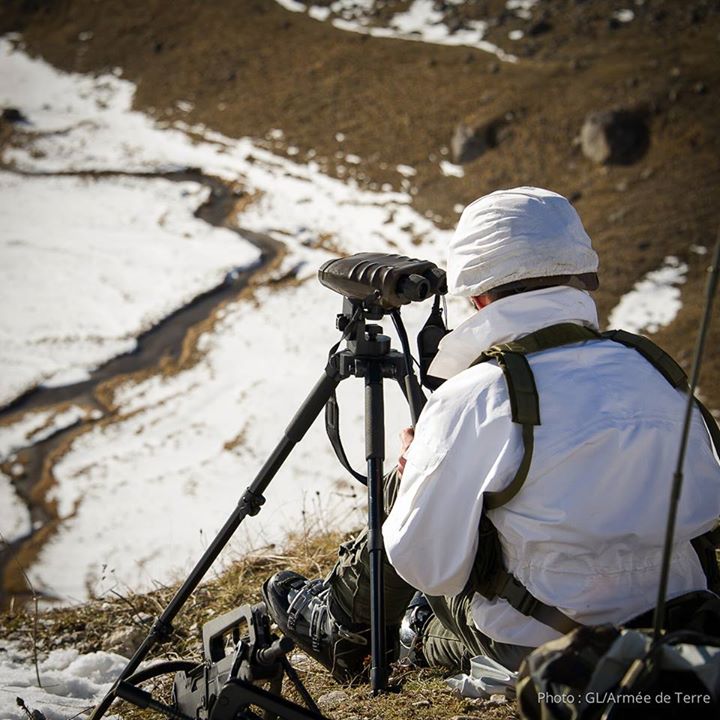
x=450 y=638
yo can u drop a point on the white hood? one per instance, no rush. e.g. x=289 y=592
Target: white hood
x=513 y=235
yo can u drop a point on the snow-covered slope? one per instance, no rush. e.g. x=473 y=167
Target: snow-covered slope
x=141 y=493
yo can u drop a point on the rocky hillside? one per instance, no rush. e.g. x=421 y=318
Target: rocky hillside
x=252 y=66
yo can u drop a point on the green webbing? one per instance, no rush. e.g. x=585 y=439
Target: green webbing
x=524 y=401
x=525 y=408
x=657 y=357
x=669 y=369
x=510 y=589
x=497 y=499
x=547 y=338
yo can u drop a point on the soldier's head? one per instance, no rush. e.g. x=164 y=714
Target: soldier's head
x=518 y=240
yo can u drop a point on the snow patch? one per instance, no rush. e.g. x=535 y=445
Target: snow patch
x=184 y=447
x=654 y=301
x=406 y=170
x=451 y=170
x=421 y=21
x=71 y=683
x=623 y=16
x=35 y=427
x=15 y=518
x=77 y=285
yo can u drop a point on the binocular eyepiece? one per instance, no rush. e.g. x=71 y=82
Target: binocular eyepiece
x=383 y=279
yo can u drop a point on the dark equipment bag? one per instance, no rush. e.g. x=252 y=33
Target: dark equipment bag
x=611 y=673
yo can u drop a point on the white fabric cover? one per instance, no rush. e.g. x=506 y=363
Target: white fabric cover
x=515 y=234
x=586 y=531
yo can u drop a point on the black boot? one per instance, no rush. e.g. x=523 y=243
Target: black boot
x=413 y=624
x=301 y=609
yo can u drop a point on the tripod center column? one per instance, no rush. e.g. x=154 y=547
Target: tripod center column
x=375 y=454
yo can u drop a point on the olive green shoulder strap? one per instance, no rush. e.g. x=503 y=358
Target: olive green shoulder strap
x=490 y=577
x=705 y=545
x=524 y=402
x=670 y=370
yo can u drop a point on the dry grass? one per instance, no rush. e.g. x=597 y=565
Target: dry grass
x=420 y=693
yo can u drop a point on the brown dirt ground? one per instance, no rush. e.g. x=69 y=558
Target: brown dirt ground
x=249 y=66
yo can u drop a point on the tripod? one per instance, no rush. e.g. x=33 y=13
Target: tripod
x=368 y=356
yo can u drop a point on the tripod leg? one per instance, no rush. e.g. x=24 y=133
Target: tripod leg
x=375 y=454
x=249 y=504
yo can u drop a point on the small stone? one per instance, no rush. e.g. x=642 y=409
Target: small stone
x=498 y=699
x=467 y=144
x=13 y=115
x=539 y=28
x=332 y=700
x=125 y=640
x=421 y=703
x=700 y=88
x=647 y=173
x=617 y=216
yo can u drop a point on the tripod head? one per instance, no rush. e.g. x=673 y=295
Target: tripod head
x=377 y=284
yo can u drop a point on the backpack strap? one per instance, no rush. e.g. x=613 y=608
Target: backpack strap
x=655 y=355
x=525 y=410
x=510 y=589
x=524 y=401
x=705 y=545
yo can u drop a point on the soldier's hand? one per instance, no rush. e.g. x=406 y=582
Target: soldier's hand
x=406 y=437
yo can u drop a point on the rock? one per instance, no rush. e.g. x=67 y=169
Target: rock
x=13 y=115
x=332 y=700
x=125 y=640
x=469 y=142
x=615 y=137
x=540 y=27
x=466 y=144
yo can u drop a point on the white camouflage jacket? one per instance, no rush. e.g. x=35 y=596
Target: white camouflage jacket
x=585 y=533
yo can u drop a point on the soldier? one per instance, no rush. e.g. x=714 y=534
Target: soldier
x=532 y=496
